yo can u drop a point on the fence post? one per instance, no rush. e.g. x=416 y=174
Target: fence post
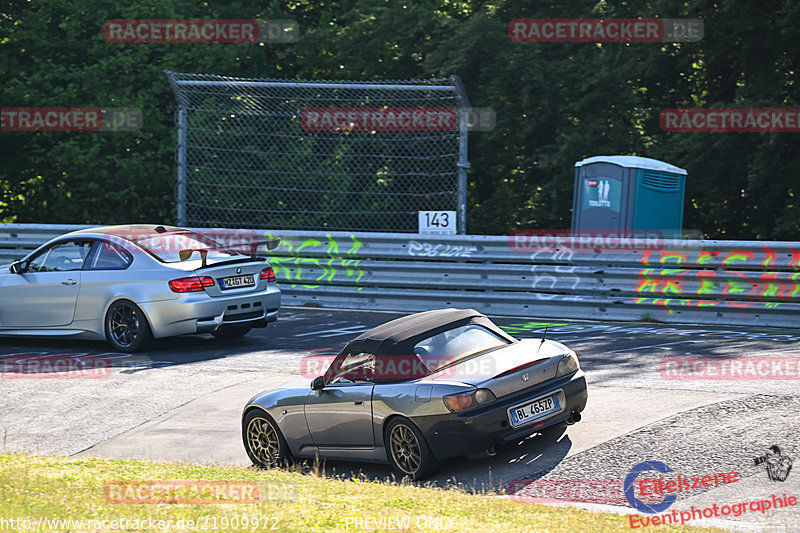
x=180 y=193
x=463 y=162
x=463 y=165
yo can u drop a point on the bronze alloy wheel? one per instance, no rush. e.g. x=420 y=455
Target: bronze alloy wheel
x=263 y=441
x=408 y=452
x=405 y=449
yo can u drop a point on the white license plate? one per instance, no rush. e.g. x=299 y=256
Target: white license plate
x=535 y=410
x=237 y=281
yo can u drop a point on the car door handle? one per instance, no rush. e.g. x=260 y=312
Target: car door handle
x=358 y=402
x=69 y=282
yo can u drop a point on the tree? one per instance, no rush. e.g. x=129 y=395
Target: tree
x=556 y=103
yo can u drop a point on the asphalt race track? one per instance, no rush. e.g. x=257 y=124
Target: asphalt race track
x=182 y=401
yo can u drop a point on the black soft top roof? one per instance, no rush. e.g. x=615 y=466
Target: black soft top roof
x=399 y=336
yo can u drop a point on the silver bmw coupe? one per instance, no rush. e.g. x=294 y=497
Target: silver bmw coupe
x=132 y=284
x=417 y=390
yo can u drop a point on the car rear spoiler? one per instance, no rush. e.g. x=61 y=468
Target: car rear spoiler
x=271 y=244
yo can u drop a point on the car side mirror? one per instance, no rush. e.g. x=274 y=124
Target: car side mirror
x=18 y=267
x=318 y=383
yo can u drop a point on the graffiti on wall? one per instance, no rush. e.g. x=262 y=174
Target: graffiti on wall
x=426 y=249
x=675 y=278
x=556 y=282
x=335 y=263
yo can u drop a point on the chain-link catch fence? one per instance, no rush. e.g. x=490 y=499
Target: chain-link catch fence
x=286 y=154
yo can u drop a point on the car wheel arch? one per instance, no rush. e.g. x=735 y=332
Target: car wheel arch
x=126 y=298
x=252 y=408
x=388 y=420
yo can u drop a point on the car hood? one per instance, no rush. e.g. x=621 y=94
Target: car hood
x=509 y=369
x=296 y=383
x=299 y=384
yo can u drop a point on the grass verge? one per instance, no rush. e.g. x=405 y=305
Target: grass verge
x=45 y=490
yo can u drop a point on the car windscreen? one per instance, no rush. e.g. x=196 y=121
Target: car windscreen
x=455 y=344
x=167 y=247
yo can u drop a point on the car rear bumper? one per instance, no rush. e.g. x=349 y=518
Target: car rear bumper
x=479 y=429
x=254 y=319
x=199 y=313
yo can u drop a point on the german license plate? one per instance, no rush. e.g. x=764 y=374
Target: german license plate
x=237 y=281
x=535 y=410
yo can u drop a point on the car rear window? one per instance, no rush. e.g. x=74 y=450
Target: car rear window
x=109 y=256
x=452 y=345
x=166 y=247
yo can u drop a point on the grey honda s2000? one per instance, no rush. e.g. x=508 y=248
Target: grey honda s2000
x=416 y=390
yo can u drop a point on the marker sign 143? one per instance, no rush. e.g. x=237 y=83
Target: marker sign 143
x=437 y=222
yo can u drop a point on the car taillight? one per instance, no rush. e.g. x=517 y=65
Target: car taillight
x=191 y=284
x=468 y=400
x=268 y=274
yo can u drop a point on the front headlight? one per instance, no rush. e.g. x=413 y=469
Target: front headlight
x=568 y=364
x=467 y=400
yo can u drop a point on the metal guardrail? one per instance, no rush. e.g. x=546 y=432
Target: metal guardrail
x=685 y=281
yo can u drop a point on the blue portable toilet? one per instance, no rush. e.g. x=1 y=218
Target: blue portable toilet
x=627 y=193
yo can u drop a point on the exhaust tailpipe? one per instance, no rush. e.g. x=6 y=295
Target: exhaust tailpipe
x=575 y=416
x=483 y=454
